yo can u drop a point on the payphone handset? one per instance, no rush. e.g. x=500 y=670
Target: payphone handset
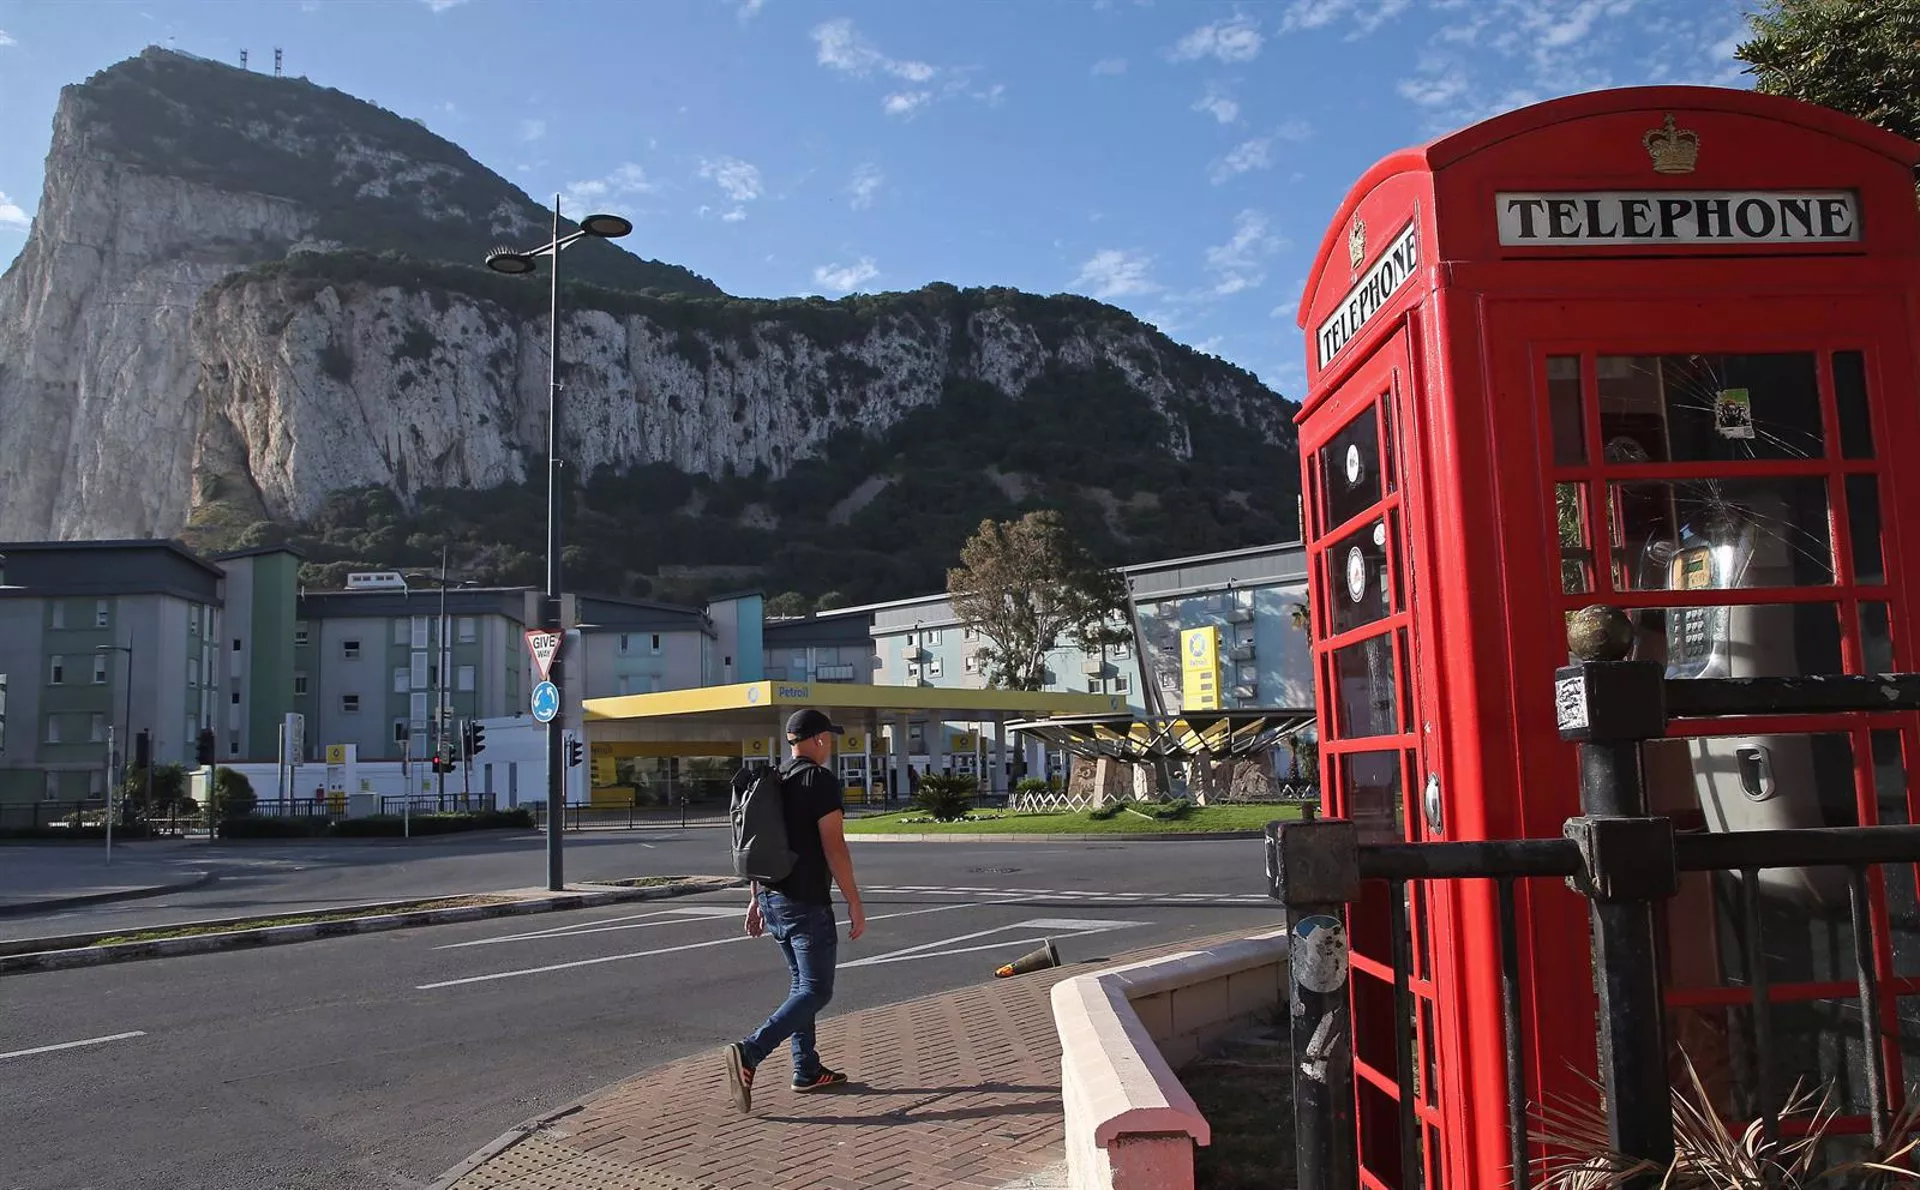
x=1742 y=782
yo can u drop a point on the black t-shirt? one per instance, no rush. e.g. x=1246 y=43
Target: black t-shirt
x=810 y=794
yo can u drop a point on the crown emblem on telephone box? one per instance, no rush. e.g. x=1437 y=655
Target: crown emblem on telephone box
x=1357 y=244
x=1674 y=151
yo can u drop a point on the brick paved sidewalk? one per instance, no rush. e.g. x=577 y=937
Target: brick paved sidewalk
x=957 y=1090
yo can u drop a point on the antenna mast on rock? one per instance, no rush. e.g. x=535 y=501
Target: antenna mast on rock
x=276 y=61
x=243 y=59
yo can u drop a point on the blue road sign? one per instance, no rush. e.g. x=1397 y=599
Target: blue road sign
x=546 y=702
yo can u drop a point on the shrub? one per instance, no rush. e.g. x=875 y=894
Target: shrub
x=233 y=795
x=946 y=798
x=1033 y=785
x=273 y=827
x=392 y=826
x=1102 y=813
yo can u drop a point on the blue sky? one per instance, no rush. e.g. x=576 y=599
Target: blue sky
x=1175 y=157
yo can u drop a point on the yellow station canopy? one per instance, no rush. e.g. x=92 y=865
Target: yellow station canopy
x=746 y=710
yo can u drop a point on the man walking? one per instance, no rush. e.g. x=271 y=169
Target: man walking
x=798 y=910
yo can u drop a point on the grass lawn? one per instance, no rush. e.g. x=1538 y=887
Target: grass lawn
x=1202 y=819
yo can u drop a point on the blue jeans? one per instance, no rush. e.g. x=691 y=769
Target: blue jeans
x=809 y=937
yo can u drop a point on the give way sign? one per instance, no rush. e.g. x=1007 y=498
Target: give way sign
x=543 y=646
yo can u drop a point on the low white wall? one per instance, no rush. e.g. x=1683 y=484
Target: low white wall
x=1125 y=1031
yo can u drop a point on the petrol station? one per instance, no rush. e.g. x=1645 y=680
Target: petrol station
x=1650 y=348
x=745 y=723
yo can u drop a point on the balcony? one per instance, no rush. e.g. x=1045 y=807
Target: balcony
x=1241 y=652
x=1094 y=666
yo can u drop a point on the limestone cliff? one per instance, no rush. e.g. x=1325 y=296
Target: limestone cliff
x=246 y=300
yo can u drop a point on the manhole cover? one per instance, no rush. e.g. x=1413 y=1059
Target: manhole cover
x=991 y=871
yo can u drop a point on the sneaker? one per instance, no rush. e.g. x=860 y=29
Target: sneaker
x=820 y=1082
x=739 y=1077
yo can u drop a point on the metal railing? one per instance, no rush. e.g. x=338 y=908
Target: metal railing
x=397 y=805
x=1627 y=863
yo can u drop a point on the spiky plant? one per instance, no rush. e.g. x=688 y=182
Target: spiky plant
x=1708 y=1155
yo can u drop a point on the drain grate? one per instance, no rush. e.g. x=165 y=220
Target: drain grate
x=991 y=871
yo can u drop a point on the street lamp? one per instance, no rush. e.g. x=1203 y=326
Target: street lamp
x=126 y=740
x=516 y=263
x=442 y=685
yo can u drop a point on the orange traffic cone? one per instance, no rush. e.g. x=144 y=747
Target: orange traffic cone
x=1038 y=960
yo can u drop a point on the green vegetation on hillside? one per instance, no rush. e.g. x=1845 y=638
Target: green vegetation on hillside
x=378 y=180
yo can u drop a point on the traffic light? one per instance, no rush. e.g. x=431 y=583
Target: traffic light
x=574 y=751
x=203 y=747
x=442 y=764
x=476 y=738
x=143 y=750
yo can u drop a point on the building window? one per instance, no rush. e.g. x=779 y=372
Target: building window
x=422 y=674
x=469 y=630
x=972 y=663
x=934 y=668
x=236 y=644
x=299 y=636
x=1122 y=684
x=913 y=640
x=933 y=637
x=656 y=644
x=400 y=635
x=402 y=679
x=99 y=669
x=625 y=644
x=193 y=672
x=401 y=732
x=463 y=679
x=350 y=649
x=100 y=619
x=52 y=790
x=233 y=744
x=969 y=633
x=299 y=685
x=96 y=784
x=913 y=670
x=58 y=612
x=236 y=698
x=53 y=730
x=417 y=708
x=624 y=685
x=56 y=670
x=420 y=636
x=350 y=704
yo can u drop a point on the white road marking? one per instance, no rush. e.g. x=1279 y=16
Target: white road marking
x=67 y=1045
x=1049 y=926
x=637 y=921
x=643 y=954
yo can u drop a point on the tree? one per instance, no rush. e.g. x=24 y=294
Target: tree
x=233 y=795
x=169 y=788
x=1026 y=586
x=1861 y=57
x=788 y=605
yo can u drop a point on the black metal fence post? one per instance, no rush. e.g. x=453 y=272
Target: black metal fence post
x=1313 y=868
x=1611 y=705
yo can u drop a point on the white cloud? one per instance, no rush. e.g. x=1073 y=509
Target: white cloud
x=12 y=218
x=1217 y=105
x=737 y=179
x=1243 y=158
x=734 y=216
x=442 y=5
x=1237 y=39
x=1114 y=272
x=6 y=38
x=532 y=129
x=905 y=103
x=1236 y=264
x=845 y=278
x=628 y=181
x=1367 y=15
x=867 y=180
x=839 y=46
x=1110 y=66
x=747 y=9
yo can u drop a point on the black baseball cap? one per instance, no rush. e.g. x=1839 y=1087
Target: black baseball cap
x=807 y=723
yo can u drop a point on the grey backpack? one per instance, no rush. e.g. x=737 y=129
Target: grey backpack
x=760 y=849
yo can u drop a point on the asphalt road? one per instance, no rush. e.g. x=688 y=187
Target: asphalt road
x=380 y=1060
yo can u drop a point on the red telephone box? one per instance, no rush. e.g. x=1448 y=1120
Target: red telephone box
x=1652 y=348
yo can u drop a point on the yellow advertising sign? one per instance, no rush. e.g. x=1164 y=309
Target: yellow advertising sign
x=336 y=754
x=754 y=748
x=1200 y=674
x=606 y=772
x=962 y=741
x=853 y=741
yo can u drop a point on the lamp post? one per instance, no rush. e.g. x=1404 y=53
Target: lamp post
x=507 y=260
x=441 y=686
x=126 y=738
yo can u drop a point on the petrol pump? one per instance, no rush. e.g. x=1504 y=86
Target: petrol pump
x=1651 y=348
